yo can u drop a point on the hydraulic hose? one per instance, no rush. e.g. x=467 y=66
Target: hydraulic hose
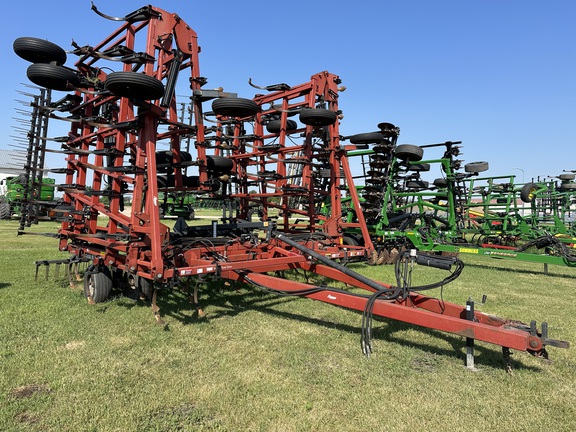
x=333 y=264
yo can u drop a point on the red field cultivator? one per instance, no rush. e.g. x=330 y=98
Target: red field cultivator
x=275 y=162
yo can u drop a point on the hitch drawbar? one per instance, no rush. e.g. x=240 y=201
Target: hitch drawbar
x=411 y=307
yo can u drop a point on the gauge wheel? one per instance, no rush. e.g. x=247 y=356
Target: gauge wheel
x=440 y=182
x=275 y=126
x=421 y=167
x=417 y=184
x=409 y=152
x=219 y=164
x=318 y=117
x=367 y=138
x=37 y=50
x=134 y=85
x=476 y=167
x=53 y=76
x=235 y=107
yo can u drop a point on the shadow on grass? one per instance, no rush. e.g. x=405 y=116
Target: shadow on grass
x=484 y=355
x=230 y=303
x=4 y=285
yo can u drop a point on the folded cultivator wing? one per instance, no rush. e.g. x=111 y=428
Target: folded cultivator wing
x=276 y=163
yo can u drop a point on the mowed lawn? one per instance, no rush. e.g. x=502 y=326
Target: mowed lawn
x=258 y=362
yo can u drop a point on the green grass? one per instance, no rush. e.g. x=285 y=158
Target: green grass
x=258 y=362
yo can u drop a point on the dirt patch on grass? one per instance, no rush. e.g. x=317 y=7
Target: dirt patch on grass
x=29 y=390
x=27 y=418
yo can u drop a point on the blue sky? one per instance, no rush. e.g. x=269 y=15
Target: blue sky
x=498 y=75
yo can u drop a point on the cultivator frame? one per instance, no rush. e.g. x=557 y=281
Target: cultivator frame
x=120 y=120
x=460 y=212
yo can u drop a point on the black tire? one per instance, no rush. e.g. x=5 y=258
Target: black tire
x=134 y=85
x=192 y=181
x=565 y=177
x=476 y=167
x=528 y=192
x=165 y=181
x=568 y=186
x=318 y=117
x=37 y=50
x=440 y=182
x=53 y=76
x=275 y=126
x=417 y=184
x=367 y=138
x=98 y=285
x=350 y=240
x=191 y=214
x=219 y=164
x=501 y=200
x=145 y=286
x=165 y=157
x=409 y=152
x=421 y=167
x=235 y=107
x=5 y=211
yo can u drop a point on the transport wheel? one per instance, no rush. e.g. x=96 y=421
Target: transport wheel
x=528 y=192
x=350 y=240
x=52 y=76
x=98 y=285
x=235 y=107
x=37 y=50
x=409 y=152
x=275 y=126
x=568 y=176
x=318 y=117
x=476 y=167
x=5 y=210
x=191 y=214
x=134 y=85
x=367 y=138
x=219 y=164
x=145 y=286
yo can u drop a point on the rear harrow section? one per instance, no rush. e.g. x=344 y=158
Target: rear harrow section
x=276 y=165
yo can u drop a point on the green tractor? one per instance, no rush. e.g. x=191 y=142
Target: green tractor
x=15 y=193
x=177 y=204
